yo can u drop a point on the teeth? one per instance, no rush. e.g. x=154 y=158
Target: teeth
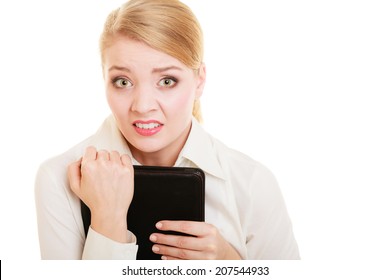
x=147 y=125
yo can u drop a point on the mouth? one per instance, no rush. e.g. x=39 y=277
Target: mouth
x=147 y=128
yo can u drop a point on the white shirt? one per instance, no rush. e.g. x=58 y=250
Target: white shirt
x=243 y=201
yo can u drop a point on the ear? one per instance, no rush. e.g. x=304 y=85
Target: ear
x=201 y=80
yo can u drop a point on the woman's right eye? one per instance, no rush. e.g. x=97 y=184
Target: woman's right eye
x=122 y=83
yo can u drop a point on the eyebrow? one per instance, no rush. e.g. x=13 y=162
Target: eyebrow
x=155 y=70
x=163 y=69
x=114 y=67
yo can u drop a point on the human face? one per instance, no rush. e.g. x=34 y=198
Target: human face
x=151 y=95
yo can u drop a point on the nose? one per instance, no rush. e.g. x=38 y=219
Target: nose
x=144 y=100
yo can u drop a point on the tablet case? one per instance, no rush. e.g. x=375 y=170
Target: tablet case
x=160 y=193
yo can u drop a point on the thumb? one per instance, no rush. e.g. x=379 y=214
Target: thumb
x=74 y=176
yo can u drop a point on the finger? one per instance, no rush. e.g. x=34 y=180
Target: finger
x=89 y=154
x=188 y=227
x=74 y=176
x=178 y=253
x=126 y=160
x=114 y=156
x=103 y=155
x=179 y=241
x=170 y=258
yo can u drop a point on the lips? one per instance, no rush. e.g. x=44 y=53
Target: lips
x=147 y=128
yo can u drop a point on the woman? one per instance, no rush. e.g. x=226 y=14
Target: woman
x=152 y=59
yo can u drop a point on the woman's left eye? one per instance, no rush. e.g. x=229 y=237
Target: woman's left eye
x=167 y=82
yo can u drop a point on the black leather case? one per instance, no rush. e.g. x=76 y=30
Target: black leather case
x=160 y=193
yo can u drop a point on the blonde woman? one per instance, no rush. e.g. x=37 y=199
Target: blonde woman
x=152 y=59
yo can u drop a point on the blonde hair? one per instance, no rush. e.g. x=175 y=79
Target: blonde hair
x=168 y=26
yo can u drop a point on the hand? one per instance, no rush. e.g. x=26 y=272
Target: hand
x=206 y=243
x=104 y=181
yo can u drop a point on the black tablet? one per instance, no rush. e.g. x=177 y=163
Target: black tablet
x=160 y=193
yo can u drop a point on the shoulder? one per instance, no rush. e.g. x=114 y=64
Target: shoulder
x=51 y=175
x=243 y=166
x=61 y=161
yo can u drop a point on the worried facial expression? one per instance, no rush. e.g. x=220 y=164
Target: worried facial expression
x=151 y=95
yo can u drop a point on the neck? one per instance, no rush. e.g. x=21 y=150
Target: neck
x=151 y=159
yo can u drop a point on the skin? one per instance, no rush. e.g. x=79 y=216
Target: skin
x=145 y=84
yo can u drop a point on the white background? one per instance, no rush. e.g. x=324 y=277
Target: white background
x=301 y=86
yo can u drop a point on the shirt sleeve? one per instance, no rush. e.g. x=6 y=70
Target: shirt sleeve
x=99 y=247
x=270 y=235
x=59 y=234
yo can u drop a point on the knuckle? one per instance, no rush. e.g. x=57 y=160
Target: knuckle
x=182 y=254
x=91 y=149
x=85 y=167
x=103 y=151
x=125 y=157
x=124 y=171
x=89 y=168
x=185 y=226
x=211 y=248
x=181 y=242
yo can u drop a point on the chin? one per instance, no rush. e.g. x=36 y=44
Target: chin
x=147 y=146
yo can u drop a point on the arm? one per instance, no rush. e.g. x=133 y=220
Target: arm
x=269 y=230
x=60 y=227
x=60 y=234
x=105 y=183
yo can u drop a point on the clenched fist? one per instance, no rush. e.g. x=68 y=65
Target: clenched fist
x=104 y=181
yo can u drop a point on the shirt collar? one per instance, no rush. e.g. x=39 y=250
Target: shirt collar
x=109 y=137
x=198 y=149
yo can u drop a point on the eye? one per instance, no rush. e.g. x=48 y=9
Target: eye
x=167 y=82
x=122 y=83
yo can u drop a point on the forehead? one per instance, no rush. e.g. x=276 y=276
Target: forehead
x=128 y=52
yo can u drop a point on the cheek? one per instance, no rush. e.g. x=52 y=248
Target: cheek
x=111 y=102
x=117 y=104
x=182 y=103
